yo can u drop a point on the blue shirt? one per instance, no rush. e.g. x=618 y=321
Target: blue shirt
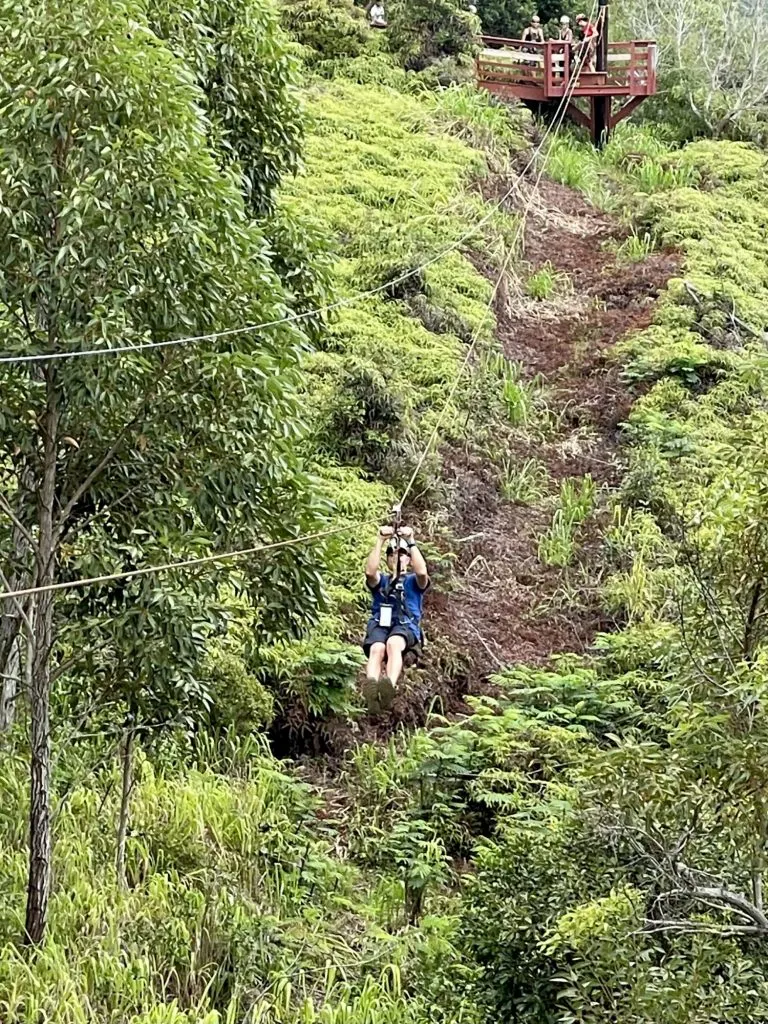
x=407 y=611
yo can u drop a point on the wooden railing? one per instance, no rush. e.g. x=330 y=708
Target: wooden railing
x=544 y=70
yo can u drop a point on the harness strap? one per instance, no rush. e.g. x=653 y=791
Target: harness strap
x=395 y=585
x=397 y=512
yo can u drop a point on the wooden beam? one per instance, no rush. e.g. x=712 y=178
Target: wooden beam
x=601 y=120
x=626 y=110
x=510 y=90
x=577 y=115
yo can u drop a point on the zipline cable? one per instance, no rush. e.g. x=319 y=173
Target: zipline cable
x=296 y=317
x=187 y=563
x=306 y=538
x=553 y=129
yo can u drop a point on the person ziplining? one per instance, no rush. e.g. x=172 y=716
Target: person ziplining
x=394 y=627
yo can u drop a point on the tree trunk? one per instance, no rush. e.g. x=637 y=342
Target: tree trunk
x=126 y=757
x=750 y=640
x=11 y=618
x=40 y=843
x=11 y=672
x=758 y=855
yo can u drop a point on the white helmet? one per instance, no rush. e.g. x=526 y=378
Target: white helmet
x=565 y=20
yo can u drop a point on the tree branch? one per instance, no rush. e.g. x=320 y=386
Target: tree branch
x=7 y=508
x=736 y=901
x=109 y=455
x=17 y=603
x=724 y=932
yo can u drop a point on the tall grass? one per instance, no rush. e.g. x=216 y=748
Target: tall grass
x=636 y=247
x=476 y=117
x=637 y=159
x=238 y=907
x=569 y=162
x=543 y=283
x=577 y=498
x=523 y=482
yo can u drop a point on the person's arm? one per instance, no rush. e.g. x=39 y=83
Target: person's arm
x=372 y=574
x=418 y=562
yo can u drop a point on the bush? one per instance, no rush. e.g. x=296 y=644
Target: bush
x=239 y=699
x=367 y=419
x=422 y=32
x=444 y=72
x=328 y=30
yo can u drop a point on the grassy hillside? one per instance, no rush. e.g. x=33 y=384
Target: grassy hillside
x=251 y=895
x=392 y=181
x=627 y=788
x=587 y=840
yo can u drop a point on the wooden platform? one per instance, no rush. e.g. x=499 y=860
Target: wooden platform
x=544 y=72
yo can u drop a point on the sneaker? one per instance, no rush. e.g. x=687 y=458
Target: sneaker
x=386 y=693
x=371 y=694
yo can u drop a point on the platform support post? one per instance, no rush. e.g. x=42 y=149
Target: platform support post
x=601 y=105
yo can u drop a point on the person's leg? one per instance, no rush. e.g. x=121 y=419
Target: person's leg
x=396 y=644
x=395 y=647
x=375 y=661
x=376 y=648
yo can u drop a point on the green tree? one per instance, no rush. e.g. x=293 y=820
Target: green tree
x=241 y=61
x=424 y=31
x=327 y=29
x=147 y=677
x=711 y=62
x=119 y=227
x=509 y=17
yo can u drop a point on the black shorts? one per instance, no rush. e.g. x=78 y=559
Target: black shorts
x=376 y=634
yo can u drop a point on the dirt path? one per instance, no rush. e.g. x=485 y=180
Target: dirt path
x=508 y=607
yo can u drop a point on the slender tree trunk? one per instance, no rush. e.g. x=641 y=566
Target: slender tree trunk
x=11 y=672
x=11 y=618
x=40 y=843
x=126 y=758
x=758 y=856
x=750 y=640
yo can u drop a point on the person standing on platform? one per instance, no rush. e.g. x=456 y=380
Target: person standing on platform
x=588 y=42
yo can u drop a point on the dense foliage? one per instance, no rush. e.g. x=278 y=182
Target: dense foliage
x=509 y=17
x=588 y=842
x=167 y=454
x=423 y=31
x=327 y=29
x=240 y=61
x=713 y=78
x=642 y=858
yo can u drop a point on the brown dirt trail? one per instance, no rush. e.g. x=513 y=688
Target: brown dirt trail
x=508 y=607
x=500 y=605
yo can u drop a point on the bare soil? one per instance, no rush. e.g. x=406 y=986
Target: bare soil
x=506 y=607
x=499 y=605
